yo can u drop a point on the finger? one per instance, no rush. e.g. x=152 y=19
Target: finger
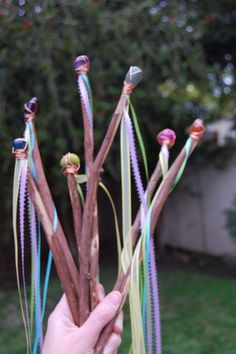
x=100 y=291
x=118 y=326
x=113 y=344
x=102 y=314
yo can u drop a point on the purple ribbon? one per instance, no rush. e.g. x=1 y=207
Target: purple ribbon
x=134 y=161
x=152 y=273
x=22 y=193
x=155 y=292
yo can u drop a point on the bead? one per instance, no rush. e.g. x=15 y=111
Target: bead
x=19 y=144
x=82 y=64
x=31 y=106
x=134 y=75
x=197 y=129
x=166 y=136
x=70 y=159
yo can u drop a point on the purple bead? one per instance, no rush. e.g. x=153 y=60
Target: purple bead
x=81 y=63
x=31 y=106
x=166 y=136
x=19 y=144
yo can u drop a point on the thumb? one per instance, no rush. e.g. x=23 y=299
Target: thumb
x=102 y=315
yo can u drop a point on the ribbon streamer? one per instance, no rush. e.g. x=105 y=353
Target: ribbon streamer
x=150 y=287
x=164 y=159
x=22 y=194
x=84 y=95
x=134 y=160
x=16 y=186
x=139 y=138
x=35 y=232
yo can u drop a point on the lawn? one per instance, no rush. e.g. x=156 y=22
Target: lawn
x=198 y=315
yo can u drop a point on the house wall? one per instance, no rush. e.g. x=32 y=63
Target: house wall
x=194 y=218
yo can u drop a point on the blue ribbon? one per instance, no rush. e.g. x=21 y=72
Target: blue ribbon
x=46 y=282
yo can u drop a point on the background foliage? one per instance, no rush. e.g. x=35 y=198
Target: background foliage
x=184 y=47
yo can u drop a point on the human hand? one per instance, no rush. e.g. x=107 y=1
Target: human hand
x=63 y=336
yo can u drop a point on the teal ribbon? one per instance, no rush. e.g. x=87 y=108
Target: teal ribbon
x=46 y=282
x=181 y=170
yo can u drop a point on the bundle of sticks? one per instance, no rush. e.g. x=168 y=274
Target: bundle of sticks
x=79 y=277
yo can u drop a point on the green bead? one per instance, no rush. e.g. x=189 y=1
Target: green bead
x=134 y=75
x=71 y=159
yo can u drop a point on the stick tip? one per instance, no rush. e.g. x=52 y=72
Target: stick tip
x=197 y=129
x=81 y=64
x=70 y=163
x=31 y=108
x=167 y=137
x=134 y=75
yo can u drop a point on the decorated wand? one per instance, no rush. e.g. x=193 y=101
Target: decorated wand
x=133 y=77
x=82 y=66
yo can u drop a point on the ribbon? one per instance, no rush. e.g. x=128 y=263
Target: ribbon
x=16 y=187
x=22 y=194
x=181 y=170
x=85 y=97
x=46 y=282
x=35 y=231
x=164 y=159
x=139 y=138
x=150 y=298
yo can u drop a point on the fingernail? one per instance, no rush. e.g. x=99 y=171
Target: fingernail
x=115 y=297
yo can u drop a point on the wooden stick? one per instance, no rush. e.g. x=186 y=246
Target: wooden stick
x=87 y=220
x=132 y=78
x=94 y=260
x=76 y=208
x=196 y=132
x=82 y=66
x=29 y=114
x=58 y=253
x=70 y=164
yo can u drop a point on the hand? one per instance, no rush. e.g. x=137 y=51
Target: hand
x=63 y=336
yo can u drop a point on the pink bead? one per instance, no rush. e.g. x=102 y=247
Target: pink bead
x=166 y=136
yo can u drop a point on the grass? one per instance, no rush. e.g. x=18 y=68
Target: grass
x=198 y=315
